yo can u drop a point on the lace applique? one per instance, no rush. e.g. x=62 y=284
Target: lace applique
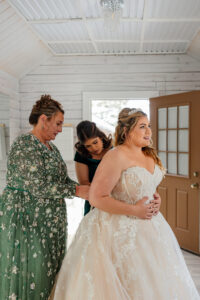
x=117 y=257
x=131 y=188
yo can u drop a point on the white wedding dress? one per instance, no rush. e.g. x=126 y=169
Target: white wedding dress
x=116 y=257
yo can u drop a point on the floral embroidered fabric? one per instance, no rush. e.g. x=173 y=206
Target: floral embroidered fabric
x=32 y=220
x=124 y=258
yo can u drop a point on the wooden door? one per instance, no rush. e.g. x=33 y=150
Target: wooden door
x=175 y=122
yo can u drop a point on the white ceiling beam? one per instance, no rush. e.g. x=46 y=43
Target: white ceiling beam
x=146 y=41
x=88 y=28
x=114 y=41
x=172 y=20
x=69 y=41
x=57 y=21
x=120 y=53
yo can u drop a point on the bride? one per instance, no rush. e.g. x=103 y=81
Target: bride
x=134 y=256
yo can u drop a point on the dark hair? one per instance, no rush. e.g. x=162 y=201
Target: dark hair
x=47 y=106
x=127 y=120
x=86 y=130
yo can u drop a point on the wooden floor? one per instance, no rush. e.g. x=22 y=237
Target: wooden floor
x=193 y=263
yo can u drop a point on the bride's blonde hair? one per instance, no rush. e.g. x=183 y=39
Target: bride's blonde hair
x=127 y=120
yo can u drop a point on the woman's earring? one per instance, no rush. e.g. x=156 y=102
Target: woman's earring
x=123 y=136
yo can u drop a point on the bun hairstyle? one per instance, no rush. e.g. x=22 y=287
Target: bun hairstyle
x=86 y=130
x=47 y=106
x=127 y=120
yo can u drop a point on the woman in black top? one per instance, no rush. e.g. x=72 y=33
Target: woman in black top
x=91 y=147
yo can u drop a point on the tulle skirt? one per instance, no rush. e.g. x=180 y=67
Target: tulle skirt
x=116 y=257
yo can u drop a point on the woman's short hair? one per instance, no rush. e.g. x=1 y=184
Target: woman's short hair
x=86 y=130
x=47 y=106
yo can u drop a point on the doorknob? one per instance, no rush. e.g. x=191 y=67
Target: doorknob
x=195 y=174
x=194 y=185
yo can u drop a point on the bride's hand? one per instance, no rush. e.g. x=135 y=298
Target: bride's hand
x=143 y=210
x=156 y=203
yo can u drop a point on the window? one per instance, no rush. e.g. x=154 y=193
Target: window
x=173 y=139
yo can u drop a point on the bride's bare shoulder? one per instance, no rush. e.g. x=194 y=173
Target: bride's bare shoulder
x=115 y=154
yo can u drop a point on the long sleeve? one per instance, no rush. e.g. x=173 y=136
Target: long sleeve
x=39 y=171
x=70 y=181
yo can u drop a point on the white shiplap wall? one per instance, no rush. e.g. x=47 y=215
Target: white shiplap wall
x=4 y=118
x=9 y=114
x=66 y=78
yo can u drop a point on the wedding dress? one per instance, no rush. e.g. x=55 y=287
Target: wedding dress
x=116 y=257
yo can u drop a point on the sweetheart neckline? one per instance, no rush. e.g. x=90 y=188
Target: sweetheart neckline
x=142 y=168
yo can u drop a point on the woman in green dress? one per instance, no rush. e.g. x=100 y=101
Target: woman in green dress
x=32 y=208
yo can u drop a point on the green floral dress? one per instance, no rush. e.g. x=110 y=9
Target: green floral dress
x=33 y=220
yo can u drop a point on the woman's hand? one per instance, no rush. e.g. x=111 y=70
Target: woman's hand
x=156 y=203
x=82 y=191
x=143 y=210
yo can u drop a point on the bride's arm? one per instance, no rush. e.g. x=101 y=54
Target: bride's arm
x=106 y=177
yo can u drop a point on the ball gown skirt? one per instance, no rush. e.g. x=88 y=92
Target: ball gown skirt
x=115 y=257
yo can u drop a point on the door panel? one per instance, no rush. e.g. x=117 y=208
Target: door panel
x=162 y=190
x=175 y=121
x=182 y=210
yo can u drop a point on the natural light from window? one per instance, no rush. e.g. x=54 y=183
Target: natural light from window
x=105 y=112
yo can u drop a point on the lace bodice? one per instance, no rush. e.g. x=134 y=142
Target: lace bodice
x=137 y=182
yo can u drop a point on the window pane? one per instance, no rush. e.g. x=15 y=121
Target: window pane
x=172 y=163
x=184 y=116
x=162 y=140
x=162 y=118
x=172 y=140
x=183 y=141
x=183 y=164
x=172 y=117
x=163 y=157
